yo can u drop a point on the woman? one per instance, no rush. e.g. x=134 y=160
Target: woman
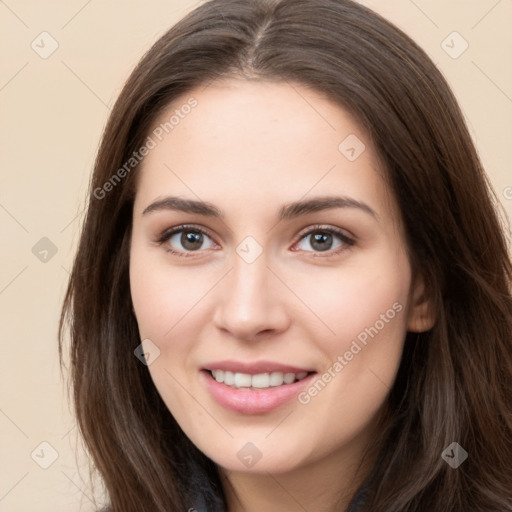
x=292 y=289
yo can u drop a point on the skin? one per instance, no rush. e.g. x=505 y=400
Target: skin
x=249 y=147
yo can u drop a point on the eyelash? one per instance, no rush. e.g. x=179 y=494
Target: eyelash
x=347 y=241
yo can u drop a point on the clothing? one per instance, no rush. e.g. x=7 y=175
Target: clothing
x=359 y=498
x=354 y=506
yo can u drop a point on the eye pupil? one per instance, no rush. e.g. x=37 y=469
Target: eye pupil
x=191 y=240
x=322 y=241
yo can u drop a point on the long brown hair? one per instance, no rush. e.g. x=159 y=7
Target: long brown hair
x=454 y=382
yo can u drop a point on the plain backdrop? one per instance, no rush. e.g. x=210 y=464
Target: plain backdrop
x=53 y=109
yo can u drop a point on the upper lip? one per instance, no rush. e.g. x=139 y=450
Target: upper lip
x=255 y=367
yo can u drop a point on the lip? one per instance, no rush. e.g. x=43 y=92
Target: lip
x=255 y=367
x=253 y=401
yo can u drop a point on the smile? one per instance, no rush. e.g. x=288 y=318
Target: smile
x=254 y=393
x=260 y=381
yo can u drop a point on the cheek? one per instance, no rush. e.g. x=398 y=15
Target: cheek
x=163 y=296
x=365 y=346
x=362 y=302
x=363 y=325
x=165 y=300
x=365 y=308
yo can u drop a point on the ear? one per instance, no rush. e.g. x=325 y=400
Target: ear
x=421 y=316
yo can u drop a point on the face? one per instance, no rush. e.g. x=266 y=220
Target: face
x=267 y=252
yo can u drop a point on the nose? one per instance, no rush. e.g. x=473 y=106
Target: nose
x=251 y=301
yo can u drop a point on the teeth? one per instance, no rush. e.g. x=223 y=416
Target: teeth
x=276 y=379
x=261 y=380
x=229 y=378
x=242 y=380
x=289 y=378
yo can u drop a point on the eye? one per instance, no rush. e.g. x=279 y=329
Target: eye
x=325 y=240
x=185 y=240
x=181 y=240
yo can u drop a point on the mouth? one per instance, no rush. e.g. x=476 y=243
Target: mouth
x=265 y=380
x=255 y=393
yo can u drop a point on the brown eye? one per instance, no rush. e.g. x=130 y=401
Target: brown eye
x=181 y=240
x=191 y=240
x=325 y=240
x=321 y=241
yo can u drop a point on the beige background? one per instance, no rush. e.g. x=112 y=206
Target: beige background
x=52 y=113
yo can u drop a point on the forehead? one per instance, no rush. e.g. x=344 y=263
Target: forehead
x=258 y=141
x=265 y=118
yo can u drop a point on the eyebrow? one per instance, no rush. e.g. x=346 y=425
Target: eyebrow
x=287 y=211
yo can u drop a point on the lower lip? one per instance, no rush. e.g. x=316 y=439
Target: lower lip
x=253 y=401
